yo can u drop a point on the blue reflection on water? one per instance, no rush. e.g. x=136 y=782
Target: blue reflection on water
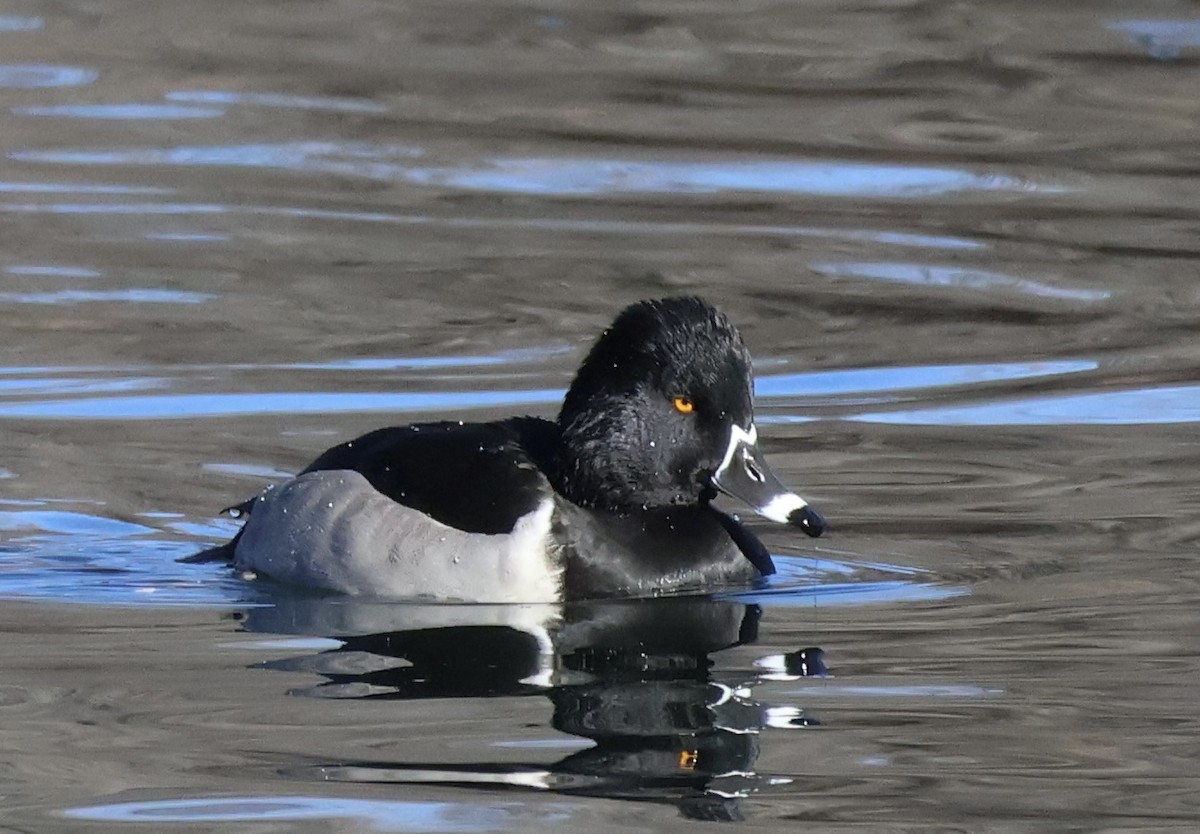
x=1162 y=39
x=76 y=188
x=26 y=385
x=567 y=177
x=564 y=177
x=69 y=552
x=52 y=271
x=349 y=158
x=30 y=76
x=133 y=296
x=189 y=237
x=957 y=277
x=328 y=103
x=180 y=406
x=882 y=380
x=819 y=580
x=1139 y=406
x=63 y=521
x=17 y=23
x=73 y=555
x=114 y=208
x=119 y=112
x=382 y=815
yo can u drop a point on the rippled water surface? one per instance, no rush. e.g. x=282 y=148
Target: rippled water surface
x=961 y=239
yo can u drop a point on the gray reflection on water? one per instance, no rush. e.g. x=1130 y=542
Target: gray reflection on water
x=547 y=224
x=395 y=363
x=1138 y=406
x=31 y=76
x=380 y=363
x=119 y=112
x=382 y=815
x=954 y=276
x=923 y=691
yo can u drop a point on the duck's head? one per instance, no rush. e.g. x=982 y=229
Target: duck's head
x=661 y=413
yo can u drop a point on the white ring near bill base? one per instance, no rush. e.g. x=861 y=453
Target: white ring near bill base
x=738 y=437
x=781 y=507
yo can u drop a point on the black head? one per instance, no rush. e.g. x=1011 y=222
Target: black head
x=646 y=421
x=661 y=413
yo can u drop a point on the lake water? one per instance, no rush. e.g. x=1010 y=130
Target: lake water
x=961 y=239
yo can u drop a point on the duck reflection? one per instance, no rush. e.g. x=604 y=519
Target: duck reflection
x=632 y=677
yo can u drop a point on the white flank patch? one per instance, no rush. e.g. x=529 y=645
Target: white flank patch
x=331 y=529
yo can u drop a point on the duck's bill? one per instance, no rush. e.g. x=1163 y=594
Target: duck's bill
x=744 y=475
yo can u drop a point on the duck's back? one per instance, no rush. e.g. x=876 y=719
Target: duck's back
x=475 y=477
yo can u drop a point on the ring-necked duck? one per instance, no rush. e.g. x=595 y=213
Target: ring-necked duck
x=610 y=500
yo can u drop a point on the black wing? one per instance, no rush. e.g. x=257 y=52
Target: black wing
x=477 y=477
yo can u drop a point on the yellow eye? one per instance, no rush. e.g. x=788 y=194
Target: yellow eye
x=684 y=405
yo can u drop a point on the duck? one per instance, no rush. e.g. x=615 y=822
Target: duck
x=611 y=499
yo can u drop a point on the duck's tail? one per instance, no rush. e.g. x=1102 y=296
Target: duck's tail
x=220 y=553
x=223 y=552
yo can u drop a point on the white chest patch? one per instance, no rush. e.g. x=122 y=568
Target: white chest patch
x=333 y=530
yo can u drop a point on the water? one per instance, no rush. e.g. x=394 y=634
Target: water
x=961 y=240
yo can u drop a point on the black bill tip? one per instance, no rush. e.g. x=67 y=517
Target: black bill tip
x=808 y=520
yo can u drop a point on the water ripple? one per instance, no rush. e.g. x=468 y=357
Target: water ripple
x=544 y=224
